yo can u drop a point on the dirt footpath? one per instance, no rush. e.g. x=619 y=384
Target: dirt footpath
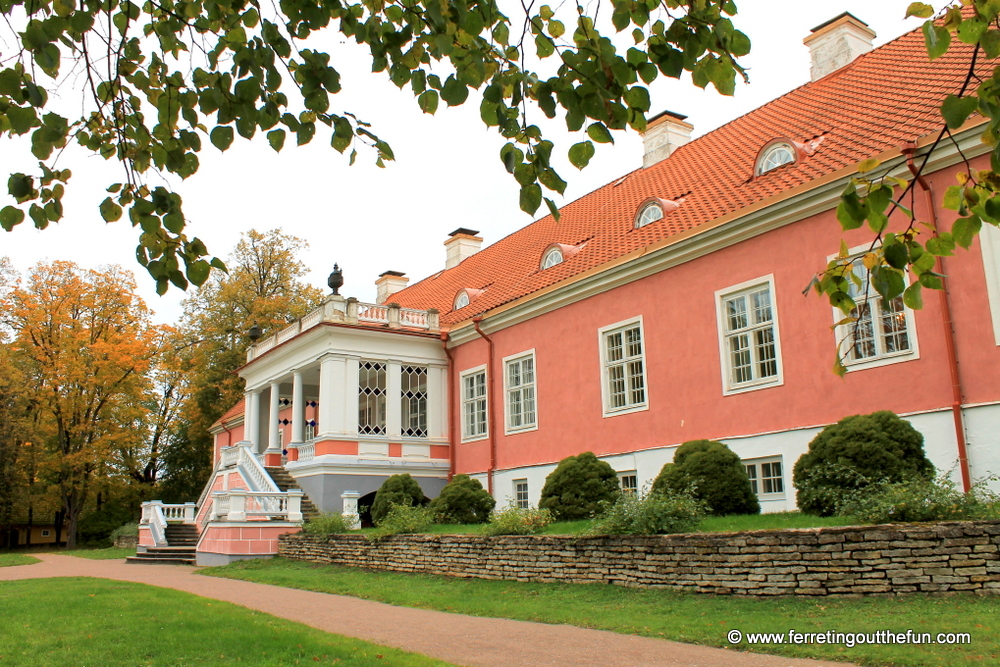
x=464 y=640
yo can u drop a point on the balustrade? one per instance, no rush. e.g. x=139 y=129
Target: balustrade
x=307 y=451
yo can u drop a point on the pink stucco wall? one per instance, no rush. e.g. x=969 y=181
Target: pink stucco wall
x=243 y=540
x=682 y=357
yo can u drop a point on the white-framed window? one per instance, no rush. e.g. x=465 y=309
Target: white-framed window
x=989 y=240
x=749 y=343
x=767 y=477
x=461 y=300
x=777 y=155
x=883 y=333
x=46 y=532
x=649 y=214
x=413 y=401
x=521 y=493
x=474 y=404
x=629 y=482
x=371 y=398
x=623 y=367
x=519 y=389
x=551 y=258
x=310 y=430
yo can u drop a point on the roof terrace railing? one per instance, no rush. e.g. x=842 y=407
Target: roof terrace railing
x=351 y=311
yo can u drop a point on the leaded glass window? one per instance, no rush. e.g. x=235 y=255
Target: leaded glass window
x=371 y=398
x=413 y=384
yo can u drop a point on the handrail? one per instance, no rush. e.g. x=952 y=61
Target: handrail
x=157 y=523
x=254 y=472
x=238 y=505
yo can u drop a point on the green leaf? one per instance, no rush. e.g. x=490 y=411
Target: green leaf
x=198 y=272
x=936 y=39
x=21 y=119
x=920 y=9
x=20 y=186
x=277 y=140
x=896 y=255
x=581 y=153
x=10 y=217
x=931 y=280
x=953 y=198
x=850 y=211
x=428 y=101
x=965 y=229
x=956 y=110
x=941 y=245
x=599 y=133
x=110 y=211
x=531 y=197
x=912 y=297
x=454 y=92
x=222 y=137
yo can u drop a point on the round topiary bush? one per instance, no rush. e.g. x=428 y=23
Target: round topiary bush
x=578 y=486
x=397 y=490
x=463 y=500
x=854 y=453
x=713 y=474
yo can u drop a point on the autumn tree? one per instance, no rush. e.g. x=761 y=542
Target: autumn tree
x=264 y=286
x=86 y=346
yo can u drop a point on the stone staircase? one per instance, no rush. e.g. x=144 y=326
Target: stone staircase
x=285 y=481
x=182 y=540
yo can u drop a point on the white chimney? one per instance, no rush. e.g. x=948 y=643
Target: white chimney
x=837 y=43
x=461 y=243
x=388 y=284
x=664 y=134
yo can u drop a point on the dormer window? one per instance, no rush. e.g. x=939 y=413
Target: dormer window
x=551 y=258
x=649 y=213
x=775 y=156
x=462 y=300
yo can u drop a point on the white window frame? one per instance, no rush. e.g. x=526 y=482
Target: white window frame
x=989 y=241
x=507 y=390
x=486 y=398
x=842 y=332
x=771 y=149
x=725 y=358
x=46 y=532
x=621 y=481
x=757 y=482
x=602 y=335
x=462 y=299
x=641 y=217
x=518 y=502
x=552 y=257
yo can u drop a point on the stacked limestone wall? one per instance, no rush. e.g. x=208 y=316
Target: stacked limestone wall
x=886 y=559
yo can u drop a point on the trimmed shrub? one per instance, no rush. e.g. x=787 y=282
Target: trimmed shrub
x=921 y=499
x=854 y=453
x=514 y=520
x=463 y=500
x=397 y=490
x=711 y=473
x=328 y=524
x=578 y=486
x=402 y=519
x=649 y=514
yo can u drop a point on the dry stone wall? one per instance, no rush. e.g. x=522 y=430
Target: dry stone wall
x=886 y=559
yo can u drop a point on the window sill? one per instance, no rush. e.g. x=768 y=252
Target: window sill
x=476 y=438
x=884 y=360
x=626 y=411
x=517 y=431
x=754 y=386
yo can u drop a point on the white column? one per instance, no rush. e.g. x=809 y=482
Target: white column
x=252 y=419
x=331 y=396
x=437 y=402
x=298 y=408
x=273 y=427
x=349 y=393
x=393 y=395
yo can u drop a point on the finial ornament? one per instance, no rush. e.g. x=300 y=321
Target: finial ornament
x=255 y=333
x=336 y=279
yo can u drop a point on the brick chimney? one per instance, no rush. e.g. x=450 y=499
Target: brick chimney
x=664 y=134
x=461 y=243
x=837 y=43
x=389 y=283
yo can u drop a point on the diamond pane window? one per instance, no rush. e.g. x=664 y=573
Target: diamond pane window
x=521 y=394
x=371 y=398
x=474 y=405
x=413 y=384
x=751 y=355
x=623 y=368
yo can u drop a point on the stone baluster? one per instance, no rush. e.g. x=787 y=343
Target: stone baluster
x=393 y=313
x=352 y=311
x=294 y=507
x=237 y=505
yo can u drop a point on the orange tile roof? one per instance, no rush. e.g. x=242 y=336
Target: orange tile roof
x=886 y=97
x=232 y=413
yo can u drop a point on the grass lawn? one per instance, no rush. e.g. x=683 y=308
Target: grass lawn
x=108 y=553
x=7 y=560
x=686 y=617
x=87 y=622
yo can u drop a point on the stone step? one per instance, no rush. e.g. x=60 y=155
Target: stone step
x=284 y=481
x=164 y=556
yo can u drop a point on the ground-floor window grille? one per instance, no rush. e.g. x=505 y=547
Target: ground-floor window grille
x=413 y=383
x=371 y=398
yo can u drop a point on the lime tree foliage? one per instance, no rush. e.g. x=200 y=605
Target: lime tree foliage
x=160 y=79
x=397 y=490
x=712 y=473
x=915 y=248
x=855 y=453
x=579 y=487
x=463 y=500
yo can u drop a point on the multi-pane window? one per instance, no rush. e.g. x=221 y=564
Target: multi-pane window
x=474 y=405
x=413 y=384
x=765 y=476
x=629 y=482
x=881 y=328
x=521 y=393
x=521 y=493
x=750 y=348
x=371 y=398
x=623 y=367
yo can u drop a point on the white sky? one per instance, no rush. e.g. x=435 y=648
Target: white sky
x=447 y=172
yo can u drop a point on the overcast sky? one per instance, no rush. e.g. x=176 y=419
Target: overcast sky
x=447 y=172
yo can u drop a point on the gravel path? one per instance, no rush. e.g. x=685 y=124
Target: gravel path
x=464 y=640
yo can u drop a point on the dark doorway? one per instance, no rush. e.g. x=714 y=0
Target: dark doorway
x=365 y=509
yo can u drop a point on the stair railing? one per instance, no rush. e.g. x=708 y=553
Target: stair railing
x=152 y=515
x=240 y=505
x=254 y=472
